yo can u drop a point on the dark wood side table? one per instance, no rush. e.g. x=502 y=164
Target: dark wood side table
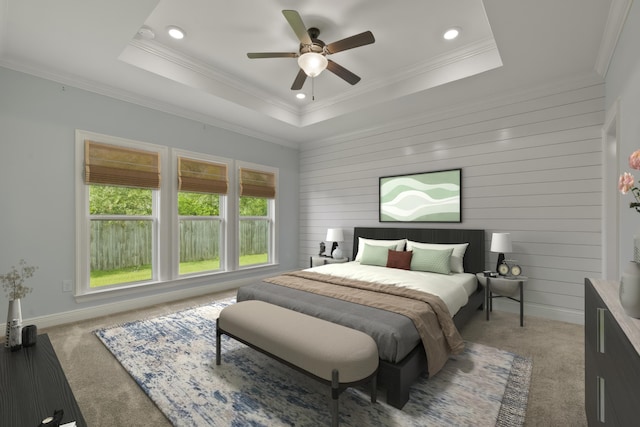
x=33 y=386
x=503 y=287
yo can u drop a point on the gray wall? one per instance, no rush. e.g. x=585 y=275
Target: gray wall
x=623 y=86
x=38 y=119
x=531 y=165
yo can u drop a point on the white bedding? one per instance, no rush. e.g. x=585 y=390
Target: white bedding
x=454 y=289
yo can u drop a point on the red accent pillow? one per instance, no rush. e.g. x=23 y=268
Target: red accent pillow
x=399 y=259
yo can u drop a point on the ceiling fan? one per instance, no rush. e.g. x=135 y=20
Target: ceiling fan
x=312 y=54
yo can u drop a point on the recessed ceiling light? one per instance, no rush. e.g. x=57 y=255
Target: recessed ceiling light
x=301 y=95
x=176 y=32
x=451 y=33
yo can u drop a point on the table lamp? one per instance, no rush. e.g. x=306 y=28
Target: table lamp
x=501 y=243
x=335 y=235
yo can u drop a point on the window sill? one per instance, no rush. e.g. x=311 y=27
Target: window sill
x=197 y=280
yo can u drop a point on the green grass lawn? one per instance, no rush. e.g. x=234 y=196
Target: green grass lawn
x=142 y=273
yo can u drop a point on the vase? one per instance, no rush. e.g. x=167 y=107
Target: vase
x=630 y=289
x=636 y=248
x=13 y=338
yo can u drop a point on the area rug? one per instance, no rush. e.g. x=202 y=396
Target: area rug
x=172 y=358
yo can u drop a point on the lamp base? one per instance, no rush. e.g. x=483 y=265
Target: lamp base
x=337 y=253
x=333 y=248
x=500 y=260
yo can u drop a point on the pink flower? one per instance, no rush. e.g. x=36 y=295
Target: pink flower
x=625 y=183
x=634 y=160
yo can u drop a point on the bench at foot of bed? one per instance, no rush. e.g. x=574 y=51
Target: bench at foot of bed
x=330 y=353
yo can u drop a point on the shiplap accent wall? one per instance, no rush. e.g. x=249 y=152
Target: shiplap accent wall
x=531 y=166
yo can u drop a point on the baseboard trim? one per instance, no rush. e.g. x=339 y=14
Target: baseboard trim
x=81 y=314
x=546 y=312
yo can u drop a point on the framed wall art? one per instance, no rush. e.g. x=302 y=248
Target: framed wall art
x=422 y=197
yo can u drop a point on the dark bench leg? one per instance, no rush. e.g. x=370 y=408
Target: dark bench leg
x=374 y=387
x=218 y=333
x=335 y=393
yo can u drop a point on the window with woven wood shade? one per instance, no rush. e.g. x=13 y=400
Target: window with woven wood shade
x=115 y=165
x=202 y=177
x=254 y=183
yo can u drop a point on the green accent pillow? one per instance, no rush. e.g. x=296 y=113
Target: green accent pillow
x=433 y=260
x=375 y=255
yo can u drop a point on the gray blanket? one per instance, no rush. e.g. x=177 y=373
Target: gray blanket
x=394 y=334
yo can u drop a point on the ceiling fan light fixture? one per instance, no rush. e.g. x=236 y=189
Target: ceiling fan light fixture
x=312 y=63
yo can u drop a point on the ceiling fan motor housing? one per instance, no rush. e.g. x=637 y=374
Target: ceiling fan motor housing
x=316 y=46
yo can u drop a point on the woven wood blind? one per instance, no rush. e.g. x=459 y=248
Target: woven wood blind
x=202 y=177
x=255 y=183
x=114 y=165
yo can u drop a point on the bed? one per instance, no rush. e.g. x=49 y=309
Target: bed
x=402 y=354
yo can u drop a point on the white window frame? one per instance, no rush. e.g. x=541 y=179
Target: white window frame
x=224 y=210
x=166 y=257
x=272 y=216
x=83 y=218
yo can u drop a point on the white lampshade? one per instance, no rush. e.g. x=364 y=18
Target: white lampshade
x=501 y=242
x=312 y=63
x=335 y=235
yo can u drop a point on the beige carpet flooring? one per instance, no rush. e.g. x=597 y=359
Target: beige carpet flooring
x=109 y=397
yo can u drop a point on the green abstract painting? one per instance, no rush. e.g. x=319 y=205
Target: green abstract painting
x=422 y=197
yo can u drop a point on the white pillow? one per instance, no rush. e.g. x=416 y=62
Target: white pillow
x=457 y=265
x=361 y=241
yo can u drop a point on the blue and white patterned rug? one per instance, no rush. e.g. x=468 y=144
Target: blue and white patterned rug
x=172 y=358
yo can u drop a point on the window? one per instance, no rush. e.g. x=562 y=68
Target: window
x=120 y=185
x=255 y=231
x=256 y=212
x=122 y=235
x=149 y=214
x=202 y=189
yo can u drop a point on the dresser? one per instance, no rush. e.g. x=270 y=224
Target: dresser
x=33 y=386
x=612 y=357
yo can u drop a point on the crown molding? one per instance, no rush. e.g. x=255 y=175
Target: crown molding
x=474 y=56
x=417 y=71
x=126 y=96
x=211 y=73
x=618 y=12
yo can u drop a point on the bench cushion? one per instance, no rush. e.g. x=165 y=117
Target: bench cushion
x=313 y=344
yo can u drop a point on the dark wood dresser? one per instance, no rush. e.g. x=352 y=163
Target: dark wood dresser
x=33 y=386
x=612 y=357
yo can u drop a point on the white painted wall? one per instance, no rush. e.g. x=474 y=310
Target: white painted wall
x=623 y=88
x=531 y=166
x=38 y=119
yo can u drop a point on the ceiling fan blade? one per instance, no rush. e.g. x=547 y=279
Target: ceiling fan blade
x=342 y=72
x=351 y=42
x=295 y=21
x=272 y=55
x=299 y=81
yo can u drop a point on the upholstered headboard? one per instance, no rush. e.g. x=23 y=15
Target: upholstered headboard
x=474 y=260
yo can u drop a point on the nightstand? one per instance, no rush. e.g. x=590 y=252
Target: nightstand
x=315 y=261
x=503 y=287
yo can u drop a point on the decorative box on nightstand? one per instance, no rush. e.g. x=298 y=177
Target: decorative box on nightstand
x=316 y=261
